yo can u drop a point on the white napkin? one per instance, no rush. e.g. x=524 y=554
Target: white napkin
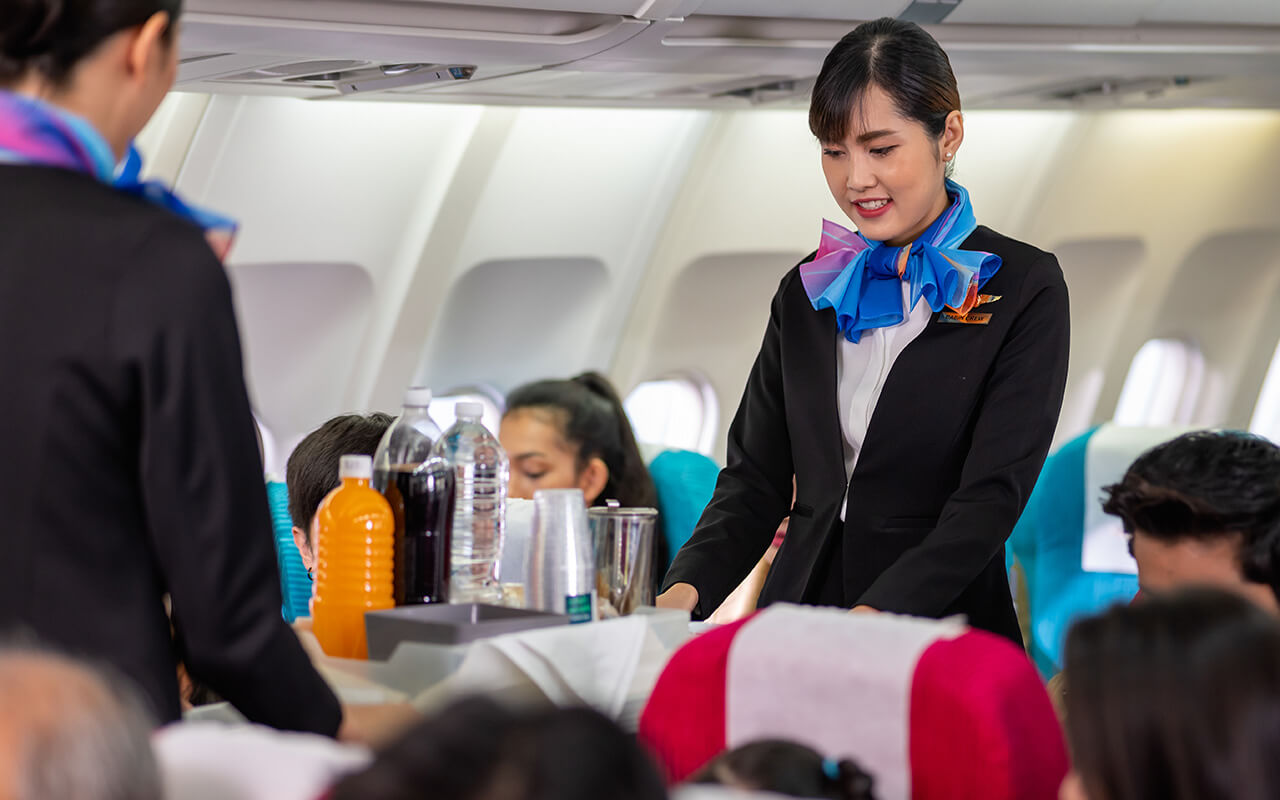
x=602 y=664
x=213 y=761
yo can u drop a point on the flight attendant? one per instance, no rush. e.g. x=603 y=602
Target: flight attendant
x=910 y=377
x=130 y=468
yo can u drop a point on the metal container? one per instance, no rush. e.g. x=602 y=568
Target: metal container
x=624 y=540
x=562 y=575
x=443 y=624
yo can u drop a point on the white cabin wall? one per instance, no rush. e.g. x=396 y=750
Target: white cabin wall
x=504 y=244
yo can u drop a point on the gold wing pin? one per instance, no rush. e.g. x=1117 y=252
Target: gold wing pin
x=983 y=299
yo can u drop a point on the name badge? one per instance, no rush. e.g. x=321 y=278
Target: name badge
x=965 y=319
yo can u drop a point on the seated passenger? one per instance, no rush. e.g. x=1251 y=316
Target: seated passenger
x=1205 y=509
x=1175 y=698
x=478 y=750
x=574 y=434
x=67 y=732
x=312 y=471
x=787 y=768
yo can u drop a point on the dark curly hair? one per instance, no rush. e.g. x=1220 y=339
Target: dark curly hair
x=1206 y=485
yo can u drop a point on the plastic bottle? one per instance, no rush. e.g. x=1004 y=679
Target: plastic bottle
x=420 y=490
x=353 y=532
x=481 y=475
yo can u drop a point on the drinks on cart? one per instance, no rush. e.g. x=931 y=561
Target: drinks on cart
x=562 y=570
x=354 y=530
x=481 y=474
x=419 y=487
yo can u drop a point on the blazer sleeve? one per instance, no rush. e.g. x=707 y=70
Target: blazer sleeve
x=1012 y=434
x=753 y=492
x=202 y=484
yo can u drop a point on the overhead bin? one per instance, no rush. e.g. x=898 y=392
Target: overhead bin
x=258 y=45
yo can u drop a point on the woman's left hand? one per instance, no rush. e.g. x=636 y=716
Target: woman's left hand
x=864 y=610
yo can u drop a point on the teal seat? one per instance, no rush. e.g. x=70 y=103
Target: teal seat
x=684 y=481
x=295 y=584
x=1048 y=541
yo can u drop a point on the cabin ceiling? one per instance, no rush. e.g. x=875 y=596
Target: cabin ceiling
x=727 y=53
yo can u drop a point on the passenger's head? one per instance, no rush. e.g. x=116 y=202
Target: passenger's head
x=574 y=434
x=312 y=471
x=1176 y=698
x=787 y=768
x=110 y=61
x=886 y=111
x=1205 y=509
x=478 y=750
x=67 y=732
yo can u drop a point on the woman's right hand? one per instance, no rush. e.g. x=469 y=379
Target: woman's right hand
x=681 y=596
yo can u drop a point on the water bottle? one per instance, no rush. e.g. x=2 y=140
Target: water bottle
x=562 y=565
x=419 y=486
x=481 y=475
x=353 y=530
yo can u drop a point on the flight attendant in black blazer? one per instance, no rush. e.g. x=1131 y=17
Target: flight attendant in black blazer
x=130 y=467
x=910 y=377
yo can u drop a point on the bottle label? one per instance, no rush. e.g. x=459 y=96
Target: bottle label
x=578 y=607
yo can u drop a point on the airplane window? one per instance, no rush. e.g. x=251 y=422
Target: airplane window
x=1266 y=416
x=1163 y=384
x=675 y=412
x=443 y=408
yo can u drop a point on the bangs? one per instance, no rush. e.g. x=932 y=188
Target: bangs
x=833 y=106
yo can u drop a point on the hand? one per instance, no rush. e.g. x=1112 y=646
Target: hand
x=864 y=610
x=682 y=596
x=375 y=725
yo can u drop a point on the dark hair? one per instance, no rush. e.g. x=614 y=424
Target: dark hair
x=53 y=36
x=478 y=750
x=312 y=471
x=1177 y=697
x=782 y=767
x=1206 y=485
x=898 y=57
x=591 y=418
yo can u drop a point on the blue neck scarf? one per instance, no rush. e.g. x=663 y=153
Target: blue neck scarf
x=35 y=132
x=860 y=278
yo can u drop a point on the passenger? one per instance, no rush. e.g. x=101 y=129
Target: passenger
x=943 y=401
x=574 y=434
x=1175 y=698
x=131 y=468
x=312 y=471
x=66 y=732
x=1205 y=509
x=478 y=750
x=787 y=768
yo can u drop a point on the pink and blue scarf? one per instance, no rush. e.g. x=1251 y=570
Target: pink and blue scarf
x=34 y=132
x=862 y=279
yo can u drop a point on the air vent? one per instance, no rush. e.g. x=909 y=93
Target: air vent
x=196 y=58
x=770 y=92
x=388 y=76
x=293 y=71
x=1117 y=89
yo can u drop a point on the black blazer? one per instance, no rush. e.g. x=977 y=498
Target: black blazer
x=130 y=468
x=954 y=447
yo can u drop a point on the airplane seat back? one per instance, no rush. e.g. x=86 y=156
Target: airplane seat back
x=1049 y=539
x=931 y=709
x=295 y=584
x=684 y=481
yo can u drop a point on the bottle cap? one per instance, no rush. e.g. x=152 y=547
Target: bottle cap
x=417 y=397
x=469 y=410
x=360 y=467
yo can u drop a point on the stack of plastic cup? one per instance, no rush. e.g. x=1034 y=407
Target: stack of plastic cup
x=295 y=584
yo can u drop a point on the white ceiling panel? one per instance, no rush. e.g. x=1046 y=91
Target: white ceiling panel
x=1221 y=12
x=847 y=10
x=1051 y=12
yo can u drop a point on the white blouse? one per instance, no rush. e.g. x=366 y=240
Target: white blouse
x=861 y=370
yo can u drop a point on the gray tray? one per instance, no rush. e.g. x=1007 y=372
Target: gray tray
x=442 y=623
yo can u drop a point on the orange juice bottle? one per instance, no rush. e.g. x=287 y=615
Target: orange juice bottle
x=354 y=562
